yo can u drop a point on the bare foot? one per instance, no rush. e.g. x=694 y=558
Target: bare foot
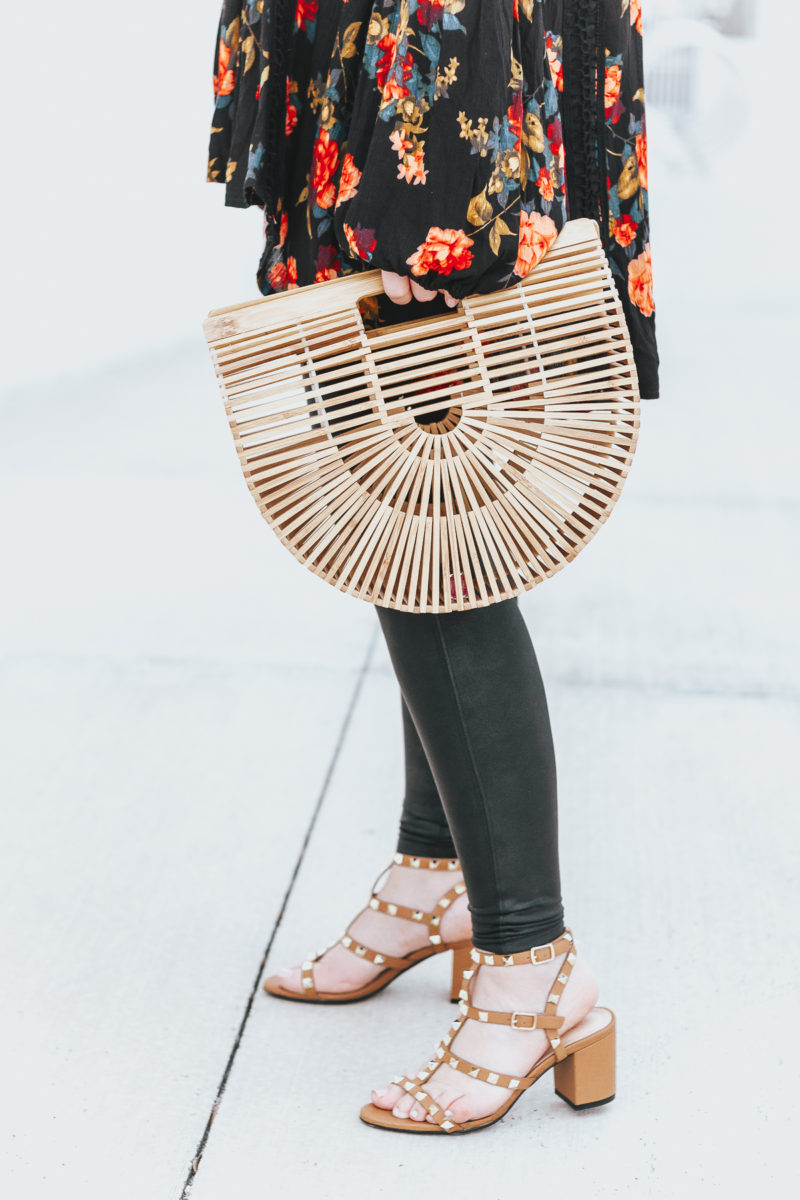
x=339 y=970
x=500 y=1048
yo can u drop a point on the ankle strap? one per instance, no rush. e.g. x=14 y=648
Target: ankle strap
x=536 y=954
x=429 y=864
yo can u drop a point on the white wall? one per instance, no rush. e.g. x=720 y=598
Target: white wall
x=112 y=241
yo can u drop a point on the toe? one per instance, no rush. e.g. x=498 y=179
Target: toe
x=403 y=1106
x=417 y=1113
x=291 y=978
x=386 y=1097
x=459 y=1108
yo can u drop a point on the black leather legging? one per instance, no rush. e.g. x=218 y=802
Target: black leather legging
x=480 y=767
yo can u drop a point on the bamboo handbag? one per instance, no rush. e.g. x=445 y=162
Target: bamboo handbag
x=441 y=464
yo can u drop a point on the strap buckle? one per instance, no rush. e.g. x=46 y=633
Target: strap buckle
x=550 y=956
x=530 y=1020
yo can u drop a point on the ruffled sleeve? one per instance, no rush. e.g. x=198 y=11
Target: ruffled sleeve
x=449 y=175
x=247 y=143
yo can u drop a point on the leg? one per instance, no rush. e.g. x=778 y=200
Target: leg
x=472 y=687
x=423 y=824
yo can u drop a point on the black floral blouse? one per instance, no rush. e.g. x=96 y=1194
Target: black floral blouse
x=446 y=139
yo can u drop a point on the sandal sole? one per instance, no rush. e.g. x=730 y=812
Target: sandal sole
x=273 y=987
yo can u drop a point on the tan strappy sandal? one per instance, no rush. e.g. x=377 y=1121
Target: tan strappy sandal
x=584 y=1059
x=392 y=966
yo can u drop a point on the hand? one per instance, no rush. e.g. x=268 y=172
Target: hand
x=401 y=288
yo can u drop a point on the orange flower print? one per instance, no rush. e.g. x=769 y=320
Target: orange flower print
x=443 y=251
x=284 y=229
x=291 y=271
x=277 y=276
x=291 y=109
x=613 y=83
x=224 y=80
x=636 y=15
x=349 y=180
x=305 y=13
x=624 y=229
x=641 y=157
x=545 y=184
x=515 y=119
x=556 y=65
x=412 y=168
x=328 y=264
x=361 y=242
x=392 y=87
x=640 y=282
x=536 y=235
x=399 y=142
x=324 y=163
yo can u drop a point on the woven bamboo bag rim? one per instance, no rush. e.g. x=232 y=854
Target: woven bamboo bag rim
x=440 y=464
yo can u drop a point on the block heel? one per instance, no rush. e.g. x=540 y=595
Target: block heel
x=462 y=962
x=587 y=1076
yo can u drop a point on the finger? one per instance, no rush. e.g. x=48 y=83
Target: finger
x=420 y=293
x=449 y=300
x=396 y=287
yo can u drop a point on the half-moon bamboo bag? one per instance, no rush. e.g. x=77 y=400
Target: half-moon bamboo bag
x=445 y=463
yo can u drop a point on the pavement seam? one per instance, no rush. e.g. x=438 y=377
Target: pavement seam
x=194 y=1165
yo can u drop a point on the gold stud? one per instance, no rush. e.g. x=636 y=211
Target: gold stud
x=374 y=903
x=460 y=888
x=435 y=920
x=416 y=916
x=475 y=1072
x=361 y=949
x=347 y=941
x=446 y=1125
x=452 y=864
x=508 y=960
x=378 y=959
x=556 y=1041
x=444 y=902
x=307 y=983
x=434 y=1108
x=489 y=960
x=553 y=998
x=493 y=1078
x=433 y=864
x=398 y=858
x=439 y=1052
x=407 y=1084
x=513 y=1083
x=483 y=1016
x=453 y=1062
x=562 y=978
x=435 y=938
x=392 y=909
x=475 y=956
x=570 y=957
x=414 y=862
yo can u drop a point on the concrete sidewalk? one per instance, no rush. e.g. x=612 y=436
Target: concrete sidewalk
x=201 y=763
